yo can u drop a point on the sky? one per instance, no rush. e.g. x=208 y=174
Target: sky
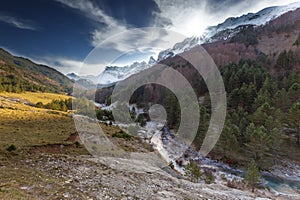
x=63 y=33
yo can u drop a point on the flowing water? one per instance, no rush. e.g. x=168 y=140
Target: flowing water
x=169 y=147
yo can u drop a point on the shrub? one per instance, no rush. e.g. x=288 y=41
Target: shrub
x=11 y=148
x=77 y=144
x=122 y=134
x=171 y=164
x=209 y=178
x=193 y=171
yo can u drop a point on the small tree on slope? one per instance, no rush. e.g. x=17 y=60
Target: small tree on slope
x=252 y=175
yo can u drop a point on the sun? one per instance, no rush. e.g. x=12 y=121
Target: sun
x=195 y=25
x=192 y=24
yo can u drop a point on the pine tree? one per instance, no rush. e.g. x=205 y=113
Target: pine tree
x=228 y=141
x=260 y=142
x=293 y=120
x=193 y=171
x=252 y=175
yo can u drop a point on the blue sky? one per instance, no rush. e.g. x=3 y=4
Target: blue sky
x=61 y=33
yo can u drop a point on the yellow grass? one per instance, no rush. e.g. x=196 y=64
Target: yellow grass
x=34 y=97
x=25 y=128
x=30 y=129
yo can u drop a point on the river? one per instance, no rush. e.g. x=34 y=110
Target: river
x=167 y=145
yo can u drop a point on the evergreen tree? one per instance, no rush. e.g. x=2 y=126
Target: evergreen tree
x=193 y=171
x=293 y=120
x=259 y=144
x=252 y=176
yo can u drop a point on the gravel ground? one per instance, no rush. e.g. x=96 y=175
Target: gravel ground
x=103 y=178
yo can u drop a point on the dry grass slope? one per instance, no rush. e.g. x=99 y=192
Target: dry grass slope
x=34 y=97
x=35 y=132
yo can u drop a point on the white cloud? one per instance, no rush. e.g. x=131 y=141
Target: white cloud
x=111 y=25
x=187 y=17
x=191 y=17
x=68 y=65
x=113 y=28
x=116 y=38
x=18 y=23
x=77 y=66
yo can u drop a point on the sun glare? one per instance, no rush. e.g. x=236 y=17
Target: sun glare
x=195 y=26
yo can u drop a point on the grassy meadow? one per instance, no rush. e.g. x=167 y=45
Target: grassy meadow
x=35 y=97
x=28 y=129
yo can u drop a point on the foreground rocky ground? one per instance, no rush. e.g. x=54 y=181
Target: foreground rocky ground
x=86 y=177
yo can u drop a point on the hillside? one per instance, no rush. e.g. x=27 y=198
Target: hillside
x=19 y=74
x=255 y=42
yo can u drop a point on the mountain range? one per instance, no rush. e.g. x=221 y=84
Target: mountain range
x=221 y=32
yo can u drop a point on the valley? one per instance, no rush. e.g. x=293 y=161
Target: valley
x=73 y=136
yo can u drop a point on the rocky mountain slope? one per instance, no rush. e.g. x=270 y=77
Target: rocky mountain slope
x=113 y=74
x=229 y=28
x=263 y=42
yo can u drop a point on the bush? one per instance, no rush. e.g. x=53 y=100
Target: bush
x=122 y=134
x=77 y=144
x=11 y=148
x=237 y=184
x=104 y=115
x=209 y=178
x=171 y=164
x=39 y=105
x=142 y=120
x=193 y=171
x=61 y=105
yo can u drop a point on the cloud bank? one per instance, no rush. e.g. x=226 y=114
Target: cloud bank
x=192 y=17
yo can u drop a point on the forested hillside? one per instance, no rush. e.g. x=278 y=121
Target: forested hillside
x=19 y=74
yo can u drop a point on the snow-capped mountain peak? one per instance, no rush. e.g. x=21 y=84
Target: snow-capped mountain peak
x=113 y=74
x=230 y=27
x=151 y=61
x=260 y=18
x=73 y=76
